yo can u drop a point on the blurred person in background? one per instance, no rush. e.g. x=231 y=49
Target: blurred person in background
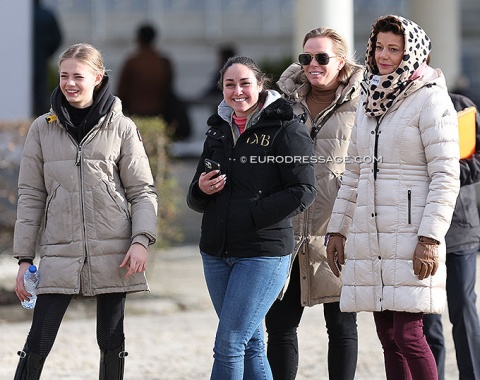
x=396 y=201
x=224 y=52
x=247 y=236
x=47 y=38
x=87 y=206
x=462 y=243
x=324 y=88
x=146 y=85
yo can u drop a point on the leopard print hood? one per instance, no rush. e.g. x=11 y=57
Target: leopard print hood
x=383 y=90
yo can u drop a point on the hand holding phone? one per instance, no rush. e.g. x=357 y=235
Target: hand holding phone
x=211 y=165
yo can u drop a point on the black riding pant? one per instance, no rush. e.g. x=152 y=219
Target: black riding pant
x=50 y=309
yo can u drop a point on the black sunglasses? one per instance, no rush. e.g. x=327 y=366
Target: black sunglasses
x=321 y=58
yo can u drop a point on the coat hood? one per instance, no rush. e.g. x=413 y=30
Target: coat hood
x=102 y=102
x=274 y=108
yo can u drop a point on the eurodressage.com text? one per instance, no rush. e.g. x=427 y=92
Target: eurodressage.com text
x=309 y=159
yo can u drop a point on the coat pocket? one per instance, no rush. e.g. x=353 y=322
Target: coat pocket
x=409 y=206
x=59 y=225
x=111 y=214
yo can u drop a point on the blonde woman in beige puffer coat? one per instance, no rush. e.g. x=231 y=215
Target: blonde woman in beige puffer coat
x=324 y=89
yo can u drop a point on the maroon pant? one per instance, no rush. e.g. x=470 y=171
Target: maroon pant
x=405 y=349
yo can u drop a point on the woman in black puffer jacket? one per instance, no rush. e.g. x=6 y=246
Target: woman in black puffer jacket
x=247 y=236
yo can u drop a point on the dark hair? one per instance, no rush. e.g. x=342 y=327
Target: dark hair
x=146 y=34
x=339 y=47
x=261 y=77
x=388 y=23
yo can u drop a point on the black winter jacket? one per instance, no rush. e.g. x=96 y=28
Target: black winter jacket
x=464 y=231
x=269 y=179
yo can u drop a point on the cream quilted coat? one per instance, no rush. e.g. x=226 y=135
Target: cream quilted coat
x=317 y=282
x=87 y=202
x=382 y=208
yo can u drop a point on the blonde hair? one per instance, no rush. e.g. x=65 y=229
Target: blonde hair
x=87 y=54
x=340 y=48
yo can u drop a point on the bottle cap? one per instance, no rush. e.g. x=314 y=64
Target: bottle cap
x=32 y=268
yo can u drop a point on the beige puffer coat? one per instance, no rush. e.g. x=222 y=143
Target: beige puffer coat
x=318 y=283
x=86 y=202
x=383 y=206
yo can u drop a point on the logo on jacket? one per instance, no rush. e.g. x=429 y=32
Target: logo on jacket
x=255 y=139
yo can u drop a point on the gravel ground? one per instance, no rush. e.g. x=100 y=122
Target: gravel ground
x=170 y=331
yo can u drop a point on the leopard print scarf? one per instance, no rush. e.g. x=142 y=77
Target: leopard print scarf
x=383 y=90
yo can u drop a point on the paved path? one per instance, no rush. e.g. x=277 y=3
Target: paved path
x=170 y=331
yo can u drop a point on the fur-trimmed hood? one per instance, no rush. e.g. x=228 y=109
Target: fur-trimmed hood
x=295 y=86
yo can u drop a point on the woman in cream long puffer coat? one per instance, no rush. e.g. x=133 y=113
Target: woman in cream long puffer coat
x=395 y=207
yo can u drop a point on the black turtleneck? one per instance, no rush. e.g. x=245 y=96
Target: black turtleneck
x=77 y=115
x=79 y=122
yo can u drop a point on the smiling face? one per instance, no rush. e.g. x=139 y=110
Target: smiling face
x=322 y=76
x=241 y=89
x=77 y=82
x=388 y=52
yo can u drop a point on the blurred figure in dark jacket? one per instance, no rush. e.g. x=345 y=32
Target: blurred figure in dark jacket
x=47 y=38
x=223 y=53
x=463 y=242
x=146 y=88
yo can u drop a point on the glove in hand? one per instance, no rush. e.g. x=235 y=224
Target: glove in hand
x=335 y=253
x=425 y=258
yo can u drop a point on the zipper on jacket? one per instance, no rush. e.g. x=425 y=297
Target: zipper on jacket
x=409 y=197
x=304 y=238
x=375 y=151
x=84 y=222
x=79 y=156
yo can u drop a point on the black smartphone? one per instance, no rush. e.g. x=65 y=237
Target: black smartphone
x=211 y=165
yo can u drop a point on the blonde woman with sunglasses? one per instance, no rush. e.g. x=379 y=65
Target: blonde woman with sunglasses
x=323 y=88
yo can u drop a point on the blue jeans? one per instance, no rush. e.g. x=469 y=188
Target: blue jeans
x=242 y=290
x=462 y=311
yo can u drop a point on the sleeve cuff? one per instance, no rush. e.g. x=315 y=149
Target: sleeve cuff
x=141 y=239
x=25 y=260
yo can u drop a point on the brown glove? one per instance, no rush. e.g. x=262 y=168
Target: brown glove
x=425 y=257
x=335 y=253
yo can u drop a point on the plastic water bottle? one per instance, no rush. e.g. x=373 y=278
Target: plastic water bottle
x=30 y=281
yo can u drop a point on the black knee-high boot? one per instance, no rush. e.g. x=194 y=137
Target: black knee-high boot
x=30 y=365
x=112 y=363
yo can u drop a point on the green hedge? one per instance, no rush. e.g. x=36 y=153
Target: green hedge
x=156 y=140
